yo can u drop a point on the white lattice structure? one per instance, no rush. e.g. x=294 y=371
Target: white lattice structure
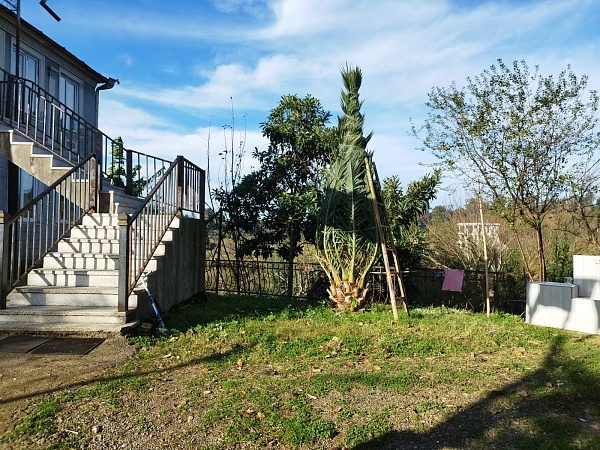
x=469 y=234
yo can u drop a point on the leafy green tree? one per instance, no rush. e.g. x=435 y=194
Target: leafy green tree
x=347 y=239
x=117 y=174
x=116 y=171
x=518 y=134
x=405 y=210
x=276 y=205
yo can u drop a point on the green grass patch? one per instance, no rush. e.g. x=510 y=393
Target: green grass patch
x=259 y=372
x=39 y=421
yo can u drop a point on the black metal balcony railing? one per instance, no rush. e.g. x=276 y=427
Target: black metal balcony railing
x=30 y=110
x=33 y=112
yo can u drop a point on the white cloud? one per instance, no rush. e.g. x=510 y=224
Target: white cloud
x=126 y=59
x=153 y=135
x=404 y=50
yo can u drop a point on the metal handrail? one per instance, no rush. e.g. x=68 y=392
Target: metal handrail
x=180 y=188
x=33 y=112
x=31 y=233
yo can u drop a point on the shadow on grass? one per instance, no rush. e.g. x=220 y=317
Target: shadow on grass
x=233 y=352
x=555 y=407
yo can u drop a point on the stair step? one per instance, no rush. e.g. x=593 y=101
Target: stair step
x=86 y=245
x=76 y=289
x=24 y=326
x=95 y=232
x=88 y=261
x=72 y=277
x=65 y=318
x=100 y=219
x=84 y=296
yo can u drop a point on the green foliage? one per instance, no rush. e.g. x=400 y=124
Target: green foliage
x=347 y=239
x=347 y=242
x=275 y=206
x=372 y=429
x=117 y=173
x=516 y=132
x=304 y=429
x=405 y=210
x=561 y=260
x=39 y=421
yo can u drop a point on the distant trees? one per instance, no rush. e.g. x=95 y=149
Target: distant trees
x=518 y=134
x=405 y=210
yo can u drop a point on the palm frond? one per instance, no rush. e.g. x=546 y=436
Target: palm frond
x=348 y=241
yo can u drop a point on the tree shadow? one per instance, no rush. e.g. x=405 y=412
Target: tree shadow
x=545 y=409
x=215 y=357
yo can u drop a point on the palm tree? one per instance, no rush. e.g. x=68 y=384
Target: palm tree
x=347 y=239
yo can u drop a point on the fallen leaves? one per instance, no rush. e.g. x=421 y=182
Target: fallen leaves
x=519 y=351
x=251 y=414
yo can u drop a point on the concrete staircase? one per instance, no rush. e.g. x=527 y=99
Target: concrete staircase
x=31 y=157
x=75 y=290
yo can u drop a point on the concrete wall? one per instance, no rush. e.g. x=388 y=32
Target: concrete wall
x=568 y=306
x=3 y=184
x=180 y=271
x=586 y=274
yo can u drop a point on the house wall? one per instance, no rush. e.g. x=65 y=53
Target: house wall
x=180 y=272
x=53 y=59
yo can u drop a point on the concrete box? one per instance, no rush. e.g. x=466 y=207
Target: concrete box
x=558 y=305
x=586 y=274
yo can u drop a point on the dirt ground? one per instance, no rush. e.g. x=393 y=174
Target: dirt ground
x=25 y=377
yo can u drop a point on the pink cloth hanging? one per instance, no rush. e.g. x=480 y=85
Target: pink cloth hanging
x=453 y=280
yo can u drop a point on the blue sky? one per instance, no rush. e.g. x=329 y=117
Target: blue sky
x=184 y=64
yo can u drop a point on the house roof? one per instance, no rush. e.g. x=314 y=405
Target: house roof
x=52 y=45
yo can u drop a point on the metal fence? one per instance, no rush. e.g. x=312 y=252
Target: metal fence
x=261 y=277
x=423 y=286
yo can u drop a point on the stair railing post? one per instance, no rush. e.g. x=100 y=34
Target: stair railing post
x=129 y=172
x=4 y=260
x=123 y=262
x=93 y=191
x=180 y=182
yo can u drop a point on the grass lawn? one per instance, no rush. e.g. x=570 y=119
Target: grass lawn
x=248 y=372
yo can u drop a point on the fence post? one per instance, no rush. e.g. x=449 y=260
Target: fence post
x=4 y=260
x=123 y=290
x=202 y=187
